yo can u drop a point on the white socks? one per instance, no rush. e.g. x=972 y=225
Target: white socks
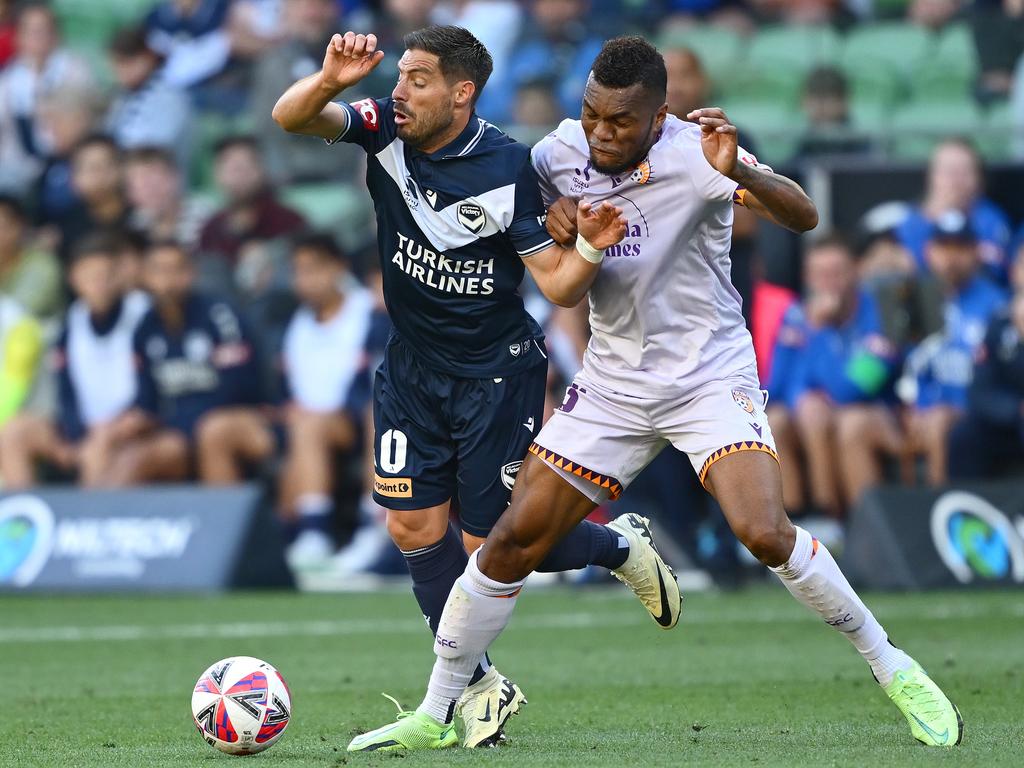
x=477 y=610
x=812 y=577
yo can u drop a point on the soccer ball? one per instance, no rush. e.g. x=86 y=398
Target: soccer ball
x=241 y=705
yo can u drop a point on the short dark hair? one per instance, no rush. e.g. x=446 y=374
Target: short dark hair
x=832 y=240
x=168 y=244
x=153 y=154
x=100 y=243
x=97 y=140
x=631 y=60
x=826 y=81
x=131 y=41
x=321 y=243
x=236 y=141
x=461 y=55
x=14 y=206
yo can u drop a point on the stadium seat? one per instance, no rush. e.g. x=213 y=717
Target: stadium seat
x=338 y=208
x=771 y=82
x=950 y=68
x=918 y=126
x=86 y=24
x=899 y=45
x=997 y=141
x=874 y=82
x=719 y=49
x=775 y=127
x=798 y=48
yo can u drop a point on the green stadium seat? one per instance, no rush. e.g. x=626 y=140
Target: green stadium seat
x=897 y=44
x=338 y=208
x=950 y=68
x=870 y=116
x=775 y=127
x=875 y=82
x=918 y=126
x=718 y=48
x=998 y=142
x=775 y=83
x=798 y=48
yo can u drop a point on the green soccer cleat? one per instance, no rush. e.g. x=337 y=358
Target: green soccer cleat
x=485 y=707
x=650 y=577
x=934 y=719
x=412 y=731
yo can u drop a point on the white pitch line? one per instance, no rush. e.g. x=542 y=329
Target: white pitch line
x=579 y=620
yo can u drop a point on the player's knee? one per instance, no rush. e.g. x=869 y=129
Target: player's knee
x=813 y=413
x=214 y=431
x=18 y=430
x=770 y=541
x=853 y=425
x=413 y=530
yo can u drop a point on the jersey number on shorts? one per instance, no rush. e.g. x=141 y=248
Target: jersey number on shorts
x=393 y=448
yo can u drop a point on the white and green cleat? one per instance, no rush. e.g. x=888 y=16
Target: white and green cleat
x=411 y=731
x=646 y=573
x=934 y=719
x=485 y=707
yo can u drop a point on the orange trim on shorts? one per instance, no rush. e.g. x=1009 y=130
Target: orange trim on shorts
x=721 y=453
x=613 y=486
x=506 y=597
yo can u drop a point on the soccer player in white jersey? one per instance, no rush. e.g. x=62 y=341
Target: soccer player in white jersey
x=669 y=363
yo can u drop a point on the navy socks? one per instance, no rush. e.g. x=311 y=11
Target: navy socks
x=586 y=544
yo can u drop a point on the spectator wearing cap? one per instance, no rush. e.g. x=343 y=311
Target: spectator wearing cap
x=989 y=439
x=833 y=369
x=252 y=211
x=93 y=364
x=826 y=106
x=938 y=371
x=954 y=183
x=40 y=66
x=28 y=275
x=146 y=109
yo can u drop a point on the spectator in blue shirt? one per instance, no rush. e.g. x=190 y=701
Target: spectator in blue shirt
x=938 y=371
x=990 y=436
x=834 y=375
x=196 y=375
x=95 y=375
x=955 y=184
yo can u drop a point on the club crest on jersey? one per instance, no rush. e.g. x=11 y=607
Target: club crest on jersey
x=743 y=400
x=515 y=349
x=509 y=472
x=409 y=193
x=643 y=173
x=472 y=217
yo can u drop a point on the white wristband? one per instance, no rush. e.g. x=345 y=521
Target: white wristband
x=587 y=251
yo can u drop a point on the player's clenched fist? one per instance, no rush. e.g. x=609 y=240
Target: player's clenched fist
x=561 y=221
x=350 y=58
x=602 y=226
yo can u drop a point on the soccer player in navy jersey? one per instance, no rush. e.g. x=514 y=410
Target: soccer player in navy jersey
x=460 y=394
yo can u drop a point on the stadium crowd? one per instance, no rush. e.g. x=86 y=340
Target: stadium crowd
x=188 y=292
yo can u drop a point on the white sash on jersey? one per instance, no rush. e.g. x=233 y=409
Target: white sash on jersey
x=322 y=359
x=100 y=366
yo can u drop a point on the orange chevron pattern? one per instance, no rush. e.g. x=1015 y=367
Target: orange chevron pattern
x=604 y=481
x=746 y=445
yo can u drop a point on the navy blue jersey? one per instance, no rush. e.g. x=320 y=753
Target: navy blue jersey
x=210 y=363
x=452 y=228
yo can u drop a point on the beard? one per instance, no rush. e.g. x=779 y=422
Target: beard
x=425 y=128
x=630 y=162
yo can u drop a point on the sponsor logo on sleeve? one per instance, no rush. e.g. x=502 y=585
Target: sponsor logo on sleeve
x=511 y=470
x=368 y=110
x=393 y=487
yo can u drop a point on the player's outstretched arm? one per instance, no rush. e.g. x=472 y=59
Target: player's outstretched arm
x=769 y=195
x=306 y=107
x=564 y=274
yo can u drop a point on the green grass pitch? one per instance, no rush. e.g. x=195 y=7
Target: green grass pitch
x=746 y=679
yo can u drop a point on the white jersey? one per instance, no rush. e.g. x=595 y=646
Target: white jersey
x=323 y=359
x=665 y=317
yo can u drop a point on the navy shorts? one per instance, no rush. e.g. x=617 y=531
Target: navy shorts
x=441 y=437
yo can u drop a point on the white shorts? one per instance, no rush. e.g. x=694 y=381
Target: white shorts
x=600 y=441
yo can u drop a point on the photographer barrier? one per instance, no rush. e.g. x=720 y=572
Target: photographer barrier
x=969 y=536
x=166 y=538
